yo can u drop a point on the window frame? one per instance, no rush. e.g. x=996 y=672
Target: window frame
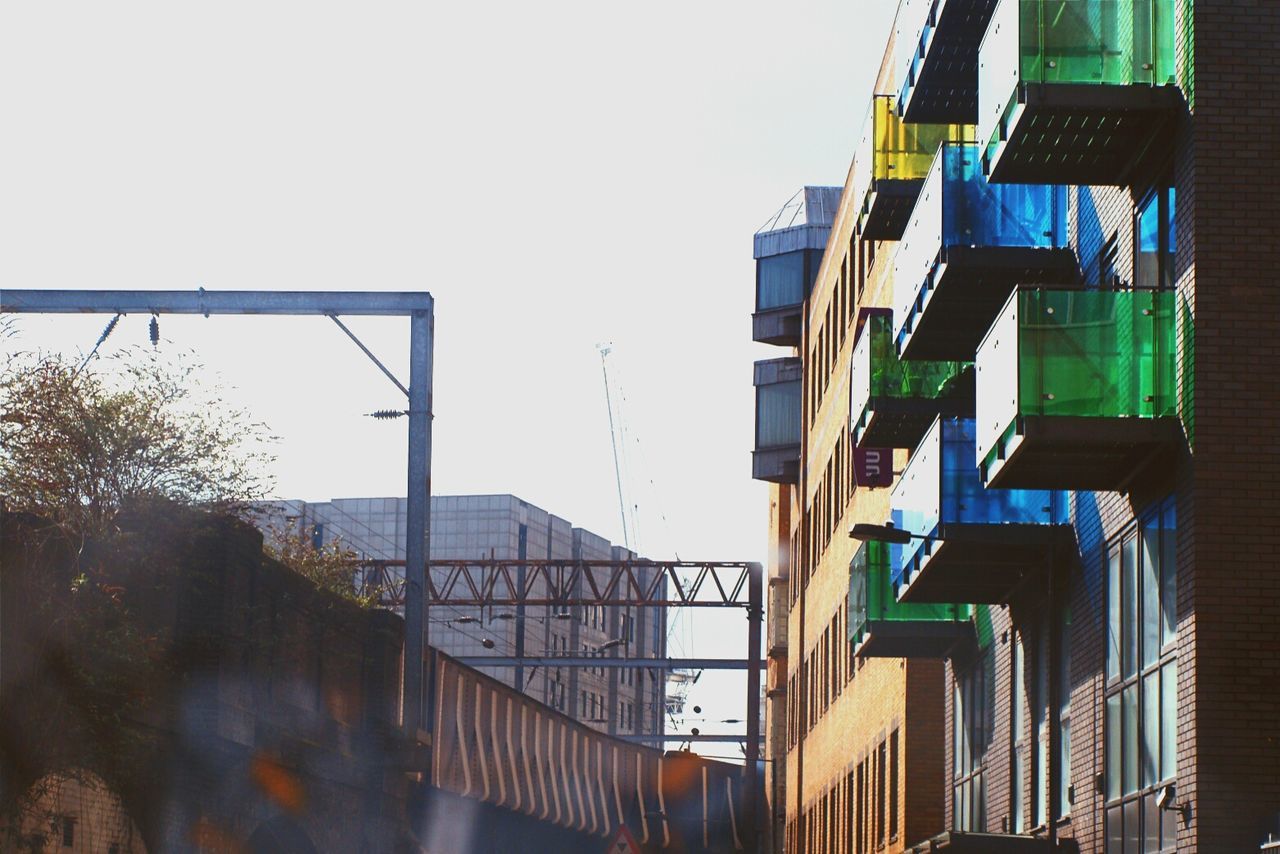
x=1129 y=682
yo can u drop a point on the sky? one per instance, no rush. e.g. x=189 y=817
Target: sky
x=557 y=174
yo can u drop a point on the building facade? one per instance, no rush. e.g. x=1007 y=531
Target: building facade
x=1042 y=297
x=617 y=700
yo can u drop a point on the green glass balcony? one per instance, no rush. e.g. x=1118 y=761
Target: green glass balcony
x=890 y=165
x=1078 y=389
x=1076 y=91
x=894 y=402
x=936 y=54
x=882 y=627
x=776 y=457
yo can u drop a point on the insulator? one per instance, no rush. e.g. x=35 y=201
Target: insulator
x=385 y=414
x=110 y=327
x=155 y=331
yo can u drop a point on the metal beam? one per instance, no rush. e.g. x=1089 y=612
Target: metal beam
x=566 y=583
x=380 y=303
x=591 y=661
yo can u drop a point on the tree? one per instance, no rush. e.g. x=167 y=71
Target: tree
x=79 y=446
x=330 y=566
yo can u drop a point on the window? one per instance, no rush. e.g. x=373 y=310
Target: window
x=69 y=831
x=1040 y=732
x=1155 y=240
x=973 y=694
x=860 y=837
x=1064 y=714
x=880 y=763
x=1141 y=684
x=784 y=280
x=1018 y=726
x=893 y=786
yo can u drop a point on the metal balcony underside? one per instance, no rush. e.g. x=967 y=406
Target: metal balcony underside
x=1081 y=133
x=946 y=87
x=779 y=326
x=966 y=291
x=978 y=563
x=1082 y=453
x=776 y=465
x=914 y=638
x=888 y=207
x=894 y=422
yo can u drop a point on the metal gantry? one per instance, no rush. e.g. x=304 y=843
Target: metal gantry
x=637 y=583
x=418 y=306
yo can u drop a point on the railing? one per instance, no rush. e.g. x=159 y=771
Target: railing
x=1104 y=42
x=1103 y=354
x=958 y=207
x=941 y=487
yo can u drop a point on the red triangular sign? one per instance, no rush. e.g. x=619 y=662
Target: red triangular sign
x=623 y=842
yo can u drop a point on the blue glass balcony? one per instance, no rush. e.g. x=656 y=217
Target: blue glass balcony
x=893 y=402
x=936 y=55
x=890 y=164
x=882 y=627
x=1078 y=389
x=967 y=244
x=776 y=457
x=973 y=544
x=1077 y=91
x=788 y=251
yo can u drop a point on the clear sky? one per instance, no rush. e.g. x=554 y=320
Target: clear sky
x=557 y=174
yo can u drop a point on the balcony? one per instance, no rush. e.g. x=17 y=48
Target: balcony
x=776 y=457
x=893 y=402
x=890 y=165
x=967 y=245
x=882 y=627
x=973 y=544
x=1076 y=91
x=1078 y=389
x=788 y=251
x=936 y=56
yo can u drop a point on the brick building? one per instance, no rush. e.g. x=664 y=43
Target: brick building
x=1042 y=295
x=463 y=527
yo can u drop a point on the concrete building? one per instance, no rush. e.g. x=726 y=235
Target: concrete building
x=1044 y=298
x=625 y=701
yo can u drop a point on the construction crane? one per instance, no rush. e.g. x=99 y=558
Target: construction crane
x=677 y=681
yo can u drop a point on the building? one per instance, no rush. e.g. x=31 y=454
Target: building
x=1044 y=296
x=617 y=700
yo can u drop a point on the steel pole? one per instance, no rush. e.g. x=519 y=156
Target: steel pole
x=415 y=714
x=755 y=623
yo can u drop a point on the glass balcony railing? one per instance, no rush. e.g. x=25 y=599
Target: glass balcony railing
x=880 y=625
x=936 y=58
x=1093 y=45
x=985 y=238
x=890 y=163
x=778 y=420
x=893 y=402
x=941 y=499
x=1074 y=381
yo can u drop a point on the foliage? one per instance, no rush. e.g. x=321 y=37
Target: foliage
x=330 y=566
x=78 y=445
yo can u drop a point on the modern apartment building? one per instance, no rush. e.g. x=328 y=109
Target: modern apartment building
x=1045 y=297
x=625 y=701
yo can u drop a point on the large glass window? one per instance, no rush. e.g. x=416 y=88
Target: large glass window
x=783 y=280
x=778 y=415
x=1156 y=240
x=1141 y=691
x=974 y=698
x=1064 y=713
